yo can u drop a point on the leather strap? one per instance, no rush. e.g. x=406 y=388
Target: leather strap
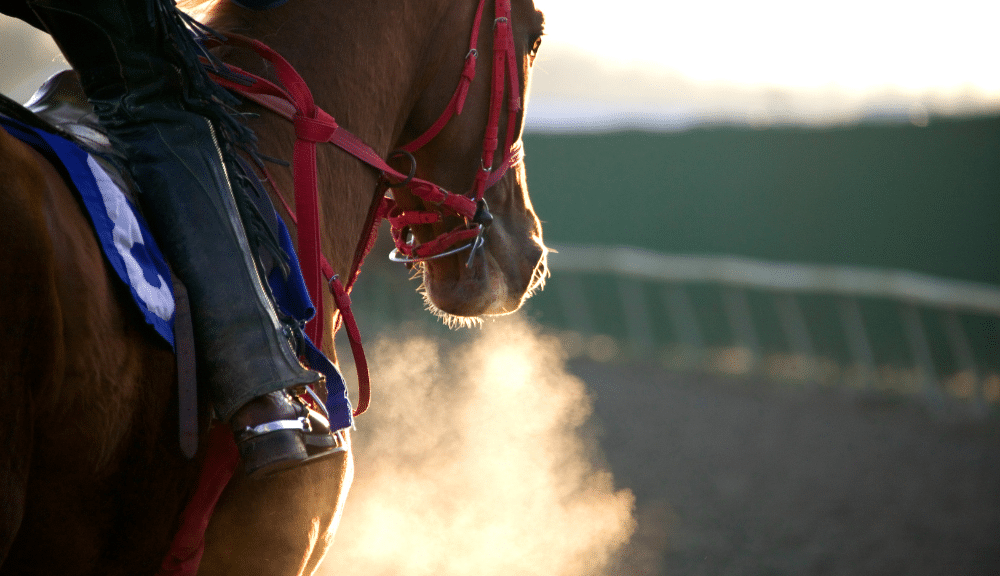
x=187 y=382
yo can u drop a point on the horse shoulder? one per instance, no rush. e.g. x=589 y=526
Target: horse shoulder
x=80 y=378
x=31 y=330
x=56 y=281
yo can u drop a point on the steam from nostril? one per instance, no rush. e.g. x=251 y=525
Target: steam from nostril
x=477 y=459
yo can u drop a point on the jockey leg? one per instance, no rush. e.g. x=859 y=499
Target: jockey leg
x=139 y=70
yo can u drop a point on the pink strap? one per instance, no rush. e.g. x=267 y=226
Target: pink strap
x=458 y=98
x=216 y=471
x=343 y=301
x=312 y=125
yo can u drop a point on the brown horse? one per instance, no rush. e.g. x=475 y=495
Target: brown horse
x=92 y=480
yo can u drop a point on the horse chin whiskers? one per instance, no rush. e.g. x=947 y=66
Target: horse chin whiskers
x=452 y=321
x=539 y=274
x=457 y=321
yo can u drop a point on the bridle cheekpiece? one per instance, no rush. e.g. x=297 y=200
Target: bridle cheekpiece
x=472 y=208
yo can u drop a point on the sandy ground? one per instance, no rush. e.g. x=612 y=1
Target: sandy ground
x=736 y=477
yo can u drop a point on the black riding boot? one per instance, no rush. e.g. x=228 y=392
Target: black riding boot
x=137 y=67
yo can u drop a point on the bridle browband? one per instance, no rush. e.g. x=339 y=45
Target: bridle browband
x=291 y=99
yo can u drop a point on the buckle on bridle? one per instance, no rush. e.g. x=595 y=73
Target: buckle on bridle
x=443 y=198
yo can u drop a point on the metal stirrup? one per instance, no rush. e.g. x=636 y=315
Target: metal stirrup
x=275 y=426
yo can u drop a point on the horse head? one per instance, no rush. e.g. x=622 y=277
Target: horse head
x=474 y=149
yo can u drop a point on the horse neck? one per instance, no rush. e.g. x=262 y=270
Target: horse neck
x=365 y=62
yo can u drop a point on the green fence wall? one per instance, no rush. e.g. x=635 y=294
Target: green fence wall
x=894 y=196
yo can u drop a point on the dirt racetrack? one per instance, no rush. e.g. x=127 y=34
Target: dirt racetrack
x=735 y=477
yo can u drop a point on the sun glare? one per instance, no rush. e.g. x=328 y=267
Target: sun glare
x=675 y=64
x=855 y=45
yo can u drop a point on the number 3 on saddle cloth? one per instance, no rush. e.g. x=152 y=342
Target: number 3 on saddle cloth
x=130 y=249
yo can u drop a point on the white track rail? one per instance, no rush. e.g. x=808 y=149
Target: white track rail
x=913 y=292
x=851 y=281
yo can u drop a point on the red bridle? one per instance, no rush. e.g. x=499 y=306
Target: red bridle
x=292 y=99
x=504 y=76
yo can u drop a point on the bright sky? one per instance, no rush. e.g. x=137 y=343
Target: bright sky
x=770 y=59
x=728 y=60
x=857 y=44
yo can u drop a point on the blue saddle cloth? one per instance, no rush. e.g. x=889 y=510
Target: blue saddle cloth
x=129 y=247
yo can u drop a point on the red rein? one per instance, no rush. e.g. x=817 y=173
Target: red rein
x=312 y=125
x=293 y=100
